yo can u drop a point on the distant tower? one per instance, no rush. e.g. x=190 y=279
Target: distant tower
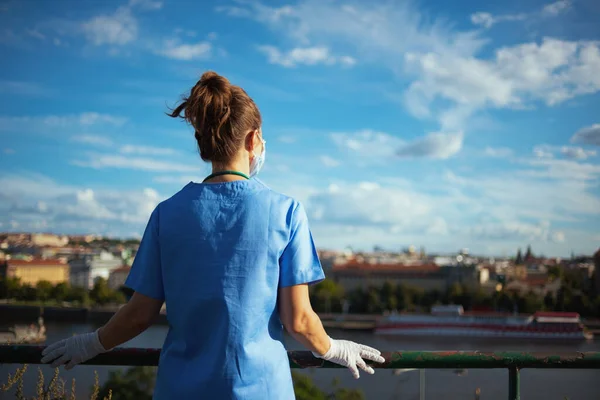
x=519 y=259
x=528 y=254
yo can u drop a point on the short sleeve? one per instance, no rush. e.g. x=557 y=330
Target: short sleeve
x=299 y=263
x=145 y=276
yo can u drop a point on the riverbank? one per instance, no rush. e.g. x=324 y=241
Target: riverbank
x=27 y=313
x=24 y=314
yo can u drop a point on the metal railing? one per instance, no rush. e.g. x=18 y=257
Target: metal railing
x=513 y=361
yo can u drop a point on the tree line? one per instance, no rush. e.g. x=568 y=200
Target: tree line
x=46 y=292
x=575 y=294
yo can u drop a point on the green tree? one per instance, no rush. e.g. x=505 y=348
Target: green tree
x=388 y=297
x=27 y=293
x=549 y=302
x=374 y=305
x=101 y=294
x=136 y=383
x=327 y=296
x=10 y=288
x=555 y=272
x=403 y=296
x=78 y=295
x=530 y=303
x=44 y=290
x=61 y=291
x=305 y=389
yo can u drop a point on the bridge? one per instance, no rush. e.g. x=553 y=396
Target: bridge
x=513 y=361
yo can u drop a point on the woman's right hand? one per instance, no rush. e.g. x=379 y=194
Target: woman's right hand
x=352 y=355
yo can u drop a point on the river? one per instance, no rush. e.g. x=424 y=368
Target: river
x=439 y=384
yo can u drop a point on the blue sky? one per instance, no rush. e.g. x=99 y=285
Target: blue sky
x=441 y=124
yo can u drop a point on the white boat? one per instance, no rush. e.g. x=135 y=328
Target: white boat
x=451 y=320
x=24 y=334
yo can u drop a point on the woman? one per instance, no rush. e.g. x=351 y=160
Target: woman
x=232 y=259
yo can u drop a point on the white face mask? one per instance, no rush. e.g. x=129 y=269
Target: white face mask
x=258 y=160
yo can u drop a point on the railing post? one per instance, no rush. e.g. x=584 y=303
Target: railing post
x=421 y=384
x=514 y=390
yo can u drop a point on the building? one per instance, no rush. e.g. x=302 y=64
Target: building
x=362 y=275
x=66 y=252
x=538 y=285
x=48 y=239
x=33 y=270
x=83 y=238
x=86 y=269
x=117 y=277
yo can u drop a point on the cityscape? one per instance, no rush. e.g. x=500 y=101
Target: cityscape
x=446 y=156
x=41 y=259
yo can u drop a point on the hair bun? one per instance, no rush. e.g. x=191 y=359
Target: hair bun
x=222 y=114
x=215 y=83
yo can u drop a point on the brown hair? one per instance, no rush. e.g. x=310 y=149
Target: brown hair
x=221 y=114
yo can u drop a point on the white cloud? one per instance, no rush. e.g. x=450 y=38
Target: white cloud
x=287 y=139
x=34 y=201
x=86 y=119
x=436 y=145
x=368 y=143
x=329 y=162
x=93 y=140
x=118 y=29
x=147 y=150
x=570 y=152
x=36 y=34
x=542 y=151
x=103 y=161
x=23 y=88
x=383 y=32
x=389 y=208
x=588 y=135
x=174 y=49
x=484 y=19
x=306 y=56
x=562 y=169
x=487 y=20
x=518 y=76
x=543 y=189
x=556 y=8
x=558 y=237
x=518 y=230
x=486 y=212
x=380 y=146
x=451 y=81
x=146 y=4
x=498 y=152
x=577 y=153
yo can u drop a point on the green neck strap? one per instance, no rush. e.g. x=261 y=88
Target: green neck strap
x=220 y=173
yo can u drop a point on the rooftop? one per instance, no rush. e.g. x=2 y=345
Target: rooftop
x=36 y=261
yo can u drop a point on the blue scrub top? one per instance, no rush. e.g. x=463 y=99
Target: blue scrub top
x=216 y=253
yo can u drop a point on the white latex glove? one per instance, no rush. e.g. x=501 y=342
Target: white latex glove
x=74 y=350
x=351 y=355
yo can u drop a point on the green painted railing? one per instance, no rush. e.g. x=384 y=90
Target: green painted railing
x=513 y=361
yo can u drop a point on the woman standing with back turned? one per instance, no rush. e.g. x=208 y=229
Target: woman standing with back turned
x=232 y=259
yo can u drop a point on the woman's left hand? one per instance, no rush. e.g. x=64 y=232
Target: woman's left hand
x=74 y=350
